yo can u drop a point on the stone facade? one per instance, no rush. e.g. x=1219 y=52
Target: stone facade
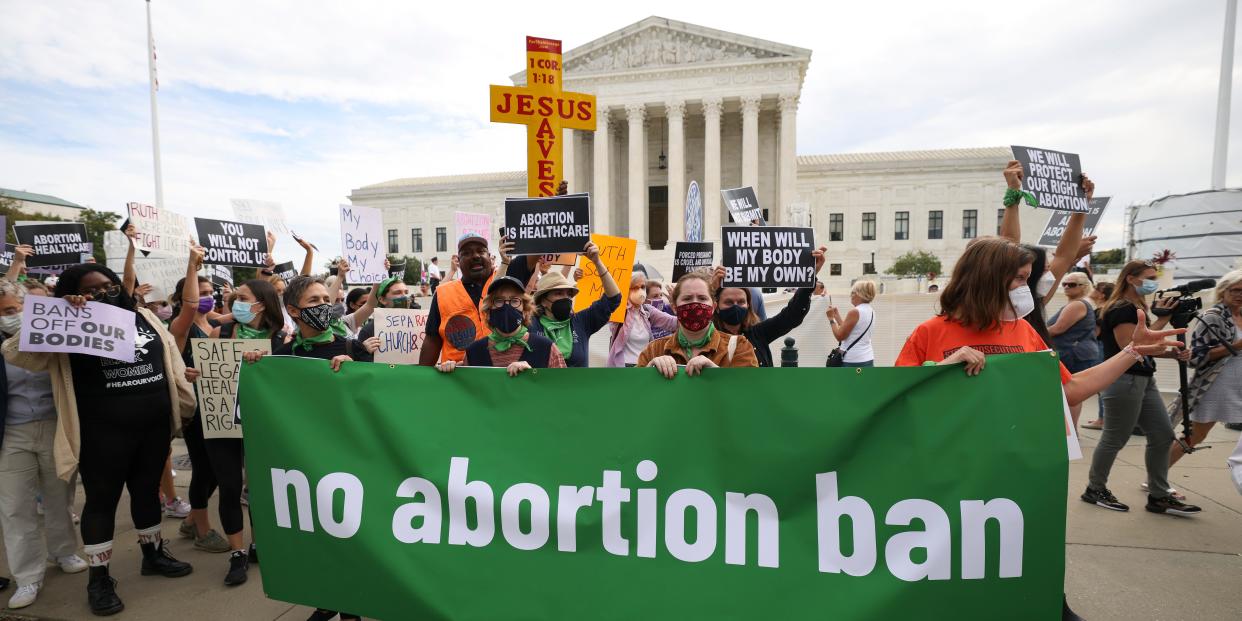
x=680 y=103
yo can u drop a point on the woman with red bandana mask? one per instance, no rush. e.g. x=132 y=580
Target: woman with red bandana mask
x=696 y=343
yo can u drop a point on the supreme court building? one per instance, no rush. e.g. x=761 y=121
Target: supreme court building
x=679 y=103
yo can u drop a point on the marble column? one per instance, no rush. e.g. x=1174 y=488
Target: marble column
x=711 y=168
x=788 y=160
x=569 y=163
x=676 y=112
x=600 y=189
x=750 y=142
x=636 y=228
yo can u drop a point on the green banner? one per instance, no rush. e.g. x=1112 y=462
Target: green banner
x=812 y=493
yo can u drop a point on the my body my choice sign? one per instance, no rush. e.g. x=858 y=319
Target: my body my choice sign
x=780 y=511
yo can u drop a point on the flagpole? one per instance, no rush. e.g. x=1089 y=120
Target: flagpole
x=1220 y=152
x=155 y=114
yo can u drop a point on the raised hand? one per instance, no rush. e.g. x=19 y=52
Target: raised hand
x=1013 y=175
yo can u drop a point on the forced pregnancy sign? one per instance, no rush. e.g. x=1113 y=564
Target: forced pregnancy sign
x=96 y=329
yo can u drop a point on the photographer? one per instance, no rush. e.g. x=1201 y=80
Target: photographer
x=1133 y=398
x=1215 y=392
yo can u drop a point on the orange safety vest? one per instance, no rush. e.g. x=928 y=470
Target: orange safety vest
x=462 y=322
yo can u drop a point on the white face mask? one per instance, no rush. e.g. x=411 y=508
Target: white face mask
x=10 y=323
x=1022 y=301
x=1045 y=284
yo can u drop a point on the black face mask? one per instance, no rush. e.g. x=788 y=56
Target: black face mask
x=562 y=309
x=317 y=317
x=505 y=319
x=732 y=316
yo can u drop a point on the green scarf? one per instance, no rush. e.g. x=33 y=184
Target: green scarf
x=503 y=343
x=689 y=345
x=560 y=332
x=1013 y=197
x=335 y=329
x=244 y=331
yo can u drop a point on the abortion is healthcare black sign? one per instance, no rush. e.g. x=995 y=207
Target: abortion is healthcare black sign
x=60 y=243
x=768 y=256
x=232 y=243
x=1059 y=220
x=1055 y=178
x=548 y=225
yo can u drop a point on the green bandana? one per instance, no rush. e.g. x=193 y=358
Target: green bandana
x=503 y=343
x=560 y=332
x=335 y=329
x=1012 y=197
x=689 y=345
x=244 y=331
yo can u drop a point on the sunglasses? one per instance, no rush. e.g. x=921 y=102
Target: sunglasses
x=1070 y=285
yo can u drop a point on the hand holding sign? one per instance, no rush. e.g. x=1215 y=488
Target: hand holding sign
x=1050 y=179
x=769 y=256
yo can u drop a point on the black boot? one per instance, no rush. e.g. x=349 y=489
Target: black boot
x=238 y=563
x=1066 y=613
x=101 y=593
x=254 y=554
x=157 y=560
x=322 y=614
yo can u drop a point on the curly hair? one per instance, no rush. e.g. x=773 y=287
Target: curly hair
x=70 y=282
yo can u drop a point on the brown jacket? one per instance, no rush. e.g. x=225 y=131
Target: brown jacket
x=717 y=351
x=68 y=440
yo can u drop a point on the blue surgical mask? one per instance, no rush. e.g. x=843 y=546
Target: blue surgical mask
x=242 y=311
x=1148 y=287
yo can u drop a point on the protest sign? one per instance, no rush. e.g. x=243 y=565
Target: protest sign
x=397 y=270
x=769 y=256
x=220 y=275
x=219 y=362
x=361 y=228
x=548 y=225
x=161 y=232
x=1059 y=220
x=161 y=274
x=116 y=245
x=6 y=258
x=269 y=215
x=752 y=517
x=232 y=243
x=286 y=271
x=55 y=243
x=479 y=224
x=690 y=256
x=618 y=256
x=96 y=329
x=743 y=206
x=1053 y=178
x=400 y=332
x=694 y=213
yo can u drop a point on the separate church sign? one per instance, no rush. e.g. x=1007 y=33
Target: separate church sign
x=769 y=256
x=1059 y=220
x=546 y=111
x=55 y=243
x=743 y=205
x=232 y=243
x=548 y=225
x=1053 y=178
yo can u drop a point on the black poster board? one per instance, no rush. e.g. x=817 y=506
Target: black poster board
x=55 y=243
x=232 y=243
x=743 y=206
x=768 y=256
x=1059 y=219
x=548 y=225
x=690 y=256
x=1054 y=177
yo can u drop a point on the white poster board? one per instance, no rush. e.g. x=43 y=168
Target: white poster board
x=361 y=234
x=269 y=215
x=161 y=232
x=401 y=332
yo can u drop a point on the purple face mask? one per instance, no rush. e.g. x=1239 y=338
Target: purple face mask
x=206 y=304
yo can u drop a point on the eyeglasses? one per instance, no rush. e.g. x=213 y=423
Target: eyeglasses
x=500 y=302
x=100 y=293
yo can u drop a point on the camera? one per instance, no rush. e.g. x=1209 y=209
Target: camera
x=1187 y=305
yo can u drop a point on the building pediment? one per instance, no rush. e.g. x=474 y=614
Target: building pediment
x=659 y=44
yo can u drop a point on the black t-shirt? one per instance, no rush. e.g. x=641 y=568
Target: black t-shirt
x=1120 y=314
x=327 y=351
x=473 y=289
x=117 y=391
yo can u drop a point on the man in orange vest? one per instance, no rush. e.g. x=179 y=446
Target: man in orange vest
x=455 y=320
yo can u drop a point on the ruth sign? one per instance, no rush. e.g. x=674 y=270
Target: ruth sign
x=546 y=110
x=769 y=256
x=1053 y=177
x=752 y=504
x=161 y=232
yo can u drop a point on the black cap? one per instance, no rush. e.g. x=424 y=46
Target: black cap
x=506 y=280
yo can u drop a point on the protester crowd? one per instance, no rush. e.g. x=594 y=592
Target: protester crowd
x=64 y=419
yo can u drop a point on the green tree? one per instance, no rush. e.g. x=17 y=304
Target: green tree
x=916 y=263
x=413 y=267
x=97 y=223
x=1116 y=256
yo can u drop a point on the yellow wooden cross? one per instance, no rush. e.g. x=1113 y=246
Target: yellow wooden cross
x=545 y=110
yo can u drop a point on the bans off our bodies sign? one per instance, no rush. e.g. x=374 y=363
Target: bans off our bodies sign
x=775 y=516
x=95 y=329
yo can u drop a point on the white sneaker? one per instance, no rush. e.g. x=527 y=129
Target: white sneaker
x=72 y=564
x=25 y=595
x=177 y=508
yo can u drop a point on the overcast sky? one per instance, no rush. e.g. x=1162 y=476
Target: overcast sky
x=300 y=102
